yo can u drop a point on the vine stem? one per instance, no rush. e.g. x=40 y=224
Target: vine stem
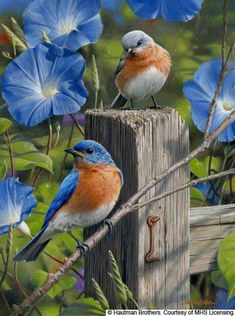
x=68 y=145
x=49 y=145
x=5 y=300
x=9 y=146
x=96 y=99
x=77 y=125
x=8 y=252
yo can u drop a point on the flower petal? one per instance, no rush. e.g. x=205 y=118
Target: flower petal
x=17 y=202
x=70 y=23
x=32 y=92
x=170 y=10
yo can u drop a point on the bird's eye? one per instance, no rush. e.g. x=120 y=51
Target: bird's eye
x=90 y=150
x=139 y=43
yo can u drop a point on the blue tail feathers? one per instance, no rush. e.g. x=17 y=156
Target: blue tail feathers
x=32 y=250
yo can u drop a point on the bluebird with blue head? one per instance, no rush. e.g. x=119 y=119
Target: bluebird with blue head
x=86 y=196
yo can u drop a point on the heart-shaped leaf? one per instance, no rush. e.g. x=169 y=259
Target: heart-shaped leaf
x=226 y=262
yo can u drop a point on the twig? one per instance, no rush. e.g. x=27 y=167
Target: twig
x=9 y=146
x=17 y=283
x=61 y=262
x=3 y=258
x=68 y=145
x=77 y=125
x=21 y=291
x=224 y=31
x=8 y=252
x=125 y=209
x=184 y=186
x=49 y=145
x=5 y=300
x=223 y=71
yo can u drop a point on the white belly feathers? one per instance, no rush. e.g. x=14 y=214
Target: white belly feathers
x=144 y=85
x=65 y=222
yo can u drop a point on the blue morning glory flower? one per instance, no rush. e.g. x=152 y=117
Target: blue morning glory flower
x=17 y=202
x=200 y=92
x=169 y=10
x=68 y=23
x=221 y=300
x=115 y=7
x=44 y=81
x=212 y=197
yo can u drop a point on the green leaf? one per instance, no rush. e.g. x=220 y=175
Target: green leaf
x=22 y=147
x=39 y=277
x=226 y=262
x=3 y=169
x=21 y=46
x=48 y=191
x=227 y=185
x=22 y=164
x=120 y=288
x=196 y=194
x=100 y=295
x=5 y=124
x=218 y=280
x=84 y=307
x=200 y=168
x=214 y=165
x=40 y=160
x=195 y=294
x=197 y=168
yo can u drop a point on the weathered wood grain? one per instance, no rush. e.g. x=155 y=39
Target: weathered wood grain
x=208 y=226
x=143 y=144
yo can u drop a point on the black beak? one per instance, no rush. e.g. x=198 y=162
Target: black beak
x=74 y=152
x=71 y=151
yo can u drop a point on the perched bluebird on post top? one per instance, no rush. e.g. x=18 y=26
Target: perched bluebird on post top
x=142 y=70
x=86 y=196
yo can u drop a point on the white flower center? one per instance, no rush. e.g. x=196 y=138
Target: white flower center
x=48 y=91
x=227 y=106
x=66 y=27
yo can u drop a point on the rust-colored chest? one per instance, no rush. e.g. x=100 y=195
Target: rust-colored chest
x=154 y=56
x=97 y=186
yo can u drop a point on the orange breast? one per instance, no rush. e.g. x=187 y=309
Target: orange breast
x=154 y=55
x=97 y=185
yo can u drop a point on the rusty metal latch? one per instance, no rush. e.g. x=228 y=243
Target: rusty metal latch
x=151 y=221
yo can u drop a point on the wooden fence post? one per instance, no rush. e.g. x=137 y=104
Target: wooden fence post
x=143 y=144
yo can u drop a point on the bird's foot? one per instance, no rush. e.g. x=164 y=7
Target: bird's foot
x=109 y=223
x=83 y=247
x=157 y=107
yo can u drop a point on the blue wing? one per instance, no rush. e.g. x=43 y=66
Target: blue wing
x=120 y=66
x=65 y=190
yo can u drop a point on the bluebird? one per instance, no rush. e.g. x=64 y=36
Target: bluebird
x=142 y=70
x=86 y=196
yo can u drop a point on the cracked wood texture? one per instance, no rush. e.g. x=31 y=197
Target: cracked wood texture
x=143 y=144
x=208 y=227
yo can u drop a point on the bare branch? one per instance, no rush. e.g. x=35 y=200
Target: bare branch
x=224 y=31
x=184 y=186
x=223 y=72
x=77 y=125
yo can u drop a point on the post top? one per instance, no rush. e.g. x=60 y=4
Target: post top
x=134 y=116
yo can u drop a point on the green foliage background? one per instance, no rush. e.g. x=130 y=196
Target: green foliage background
x=189 y=44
